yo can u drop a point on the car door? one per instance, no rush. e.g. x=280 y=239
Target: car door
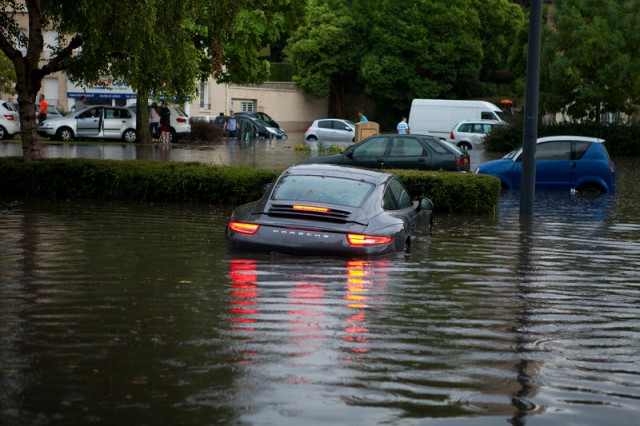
x=408 y=153
x=441 y=157
x=88 y=122
x=115 y=122
x=342 y=131
x=325 y=130
x=554 y=165
x=369 y=153
x=396 y=200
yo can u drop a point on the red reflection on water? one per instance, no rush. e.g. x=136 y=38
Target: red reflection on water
x=359 y=284
x=244 y=296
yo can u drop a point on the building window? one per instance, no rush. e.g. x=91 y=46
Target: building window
x=247 y=106
x=204 y=96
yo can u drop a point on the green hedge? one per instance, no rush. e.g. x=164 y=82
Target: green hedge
x=622 y=139
x=139 y=180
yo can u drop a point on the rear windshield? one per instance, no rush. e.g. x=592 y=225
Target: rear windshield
x=320 y=189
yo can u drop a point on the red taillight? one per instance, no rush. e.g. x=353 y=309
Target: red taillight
x=451 y=135
x=462 y=161
x=311 y=209
x=9 y=117
x=367 y=240
x=308 y=129
x=181 y=120
x=244 y=228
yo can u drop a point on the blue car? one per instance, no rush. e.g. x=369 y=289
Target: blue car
x=562 y=162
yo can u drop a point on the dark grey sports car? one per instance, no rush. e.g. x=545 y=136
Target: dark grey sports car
x=319 y=209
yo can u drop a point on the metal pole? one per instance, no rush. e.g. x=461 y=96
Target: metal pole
x=530 y=135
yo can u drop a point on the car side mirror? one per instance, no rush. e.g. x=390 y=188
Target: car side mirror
x=425 y=204
x=348 y=129
x=349 y=155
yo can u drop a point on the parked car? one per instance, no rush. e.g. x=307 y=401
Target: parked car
x=102 y=122
x=180 y=126
x=253 y=128
x=562 y=162
x=331 y=130
x=303 y=214
x=261 y=116
x=9 y=120
x=468 y=134
x=421 y=152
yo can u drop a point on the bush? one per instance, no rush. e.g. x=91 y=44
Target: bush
x=139 y=180
x=204 y=131
x=622 y=140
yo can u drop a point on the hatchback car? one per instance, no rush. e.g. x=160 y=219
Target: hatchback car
x=180 y=126
x=422 y=152
x=9 y=120
x=261 y=116
x=469 y=134
x=252 y=128
x=562 y=162
x=302 y=213
x=101 y=122
x=331 y=130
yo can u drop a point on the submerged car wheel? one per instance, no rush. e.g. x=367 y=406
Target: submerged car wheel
x=129 y=135
x=172 y=135
x=591 y=189
x=312 y=138
x=65 y=134
x=3 y=133
x=465 y=145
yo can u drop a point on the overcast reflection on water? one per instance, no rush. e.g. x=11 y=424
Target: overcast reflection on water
x=132 y=313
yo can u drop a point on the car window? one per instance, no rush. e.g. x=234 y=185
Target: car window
x=396 y=197
x=436 y=146
x=465 y=127
x=325 y=124
x=339 y=125
x=558 y=150
x=374 y=147
x=487 y=115
x=321 y=189
x=90 y=113
x=407 y=147
x=579 y=148
x=116 y=113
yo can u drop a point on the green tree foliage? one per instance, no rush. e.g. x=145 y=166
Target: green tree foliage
x=398 y=50
x=322 y=51
x=7 y=74
x=591 y=58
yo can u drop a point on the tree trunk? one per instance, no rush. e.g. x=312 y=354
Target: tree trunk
x=337 y=93
x=143 y=133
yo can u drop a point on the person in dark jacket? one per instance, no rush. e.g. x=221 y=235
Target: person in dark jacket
x=165 y=123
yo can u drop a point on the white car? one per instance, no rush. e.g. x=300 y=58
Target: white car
x=331 y=130
x=9 y=120
x=468 y=134
x=180 y=126
x=100 y=122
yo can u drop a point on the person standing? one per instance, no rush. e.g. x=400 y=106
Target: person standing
x=165 y=122
x=154 y=122
x=43 y=110
x=403 y=127
x=362 y=116
x=81 y=104
x=231 y=125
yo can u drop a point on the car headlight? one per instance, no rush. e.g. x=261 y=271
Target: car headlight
x=272 y=130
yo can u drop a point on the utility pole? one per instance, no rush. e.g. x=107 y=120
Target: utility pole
x=530 y=134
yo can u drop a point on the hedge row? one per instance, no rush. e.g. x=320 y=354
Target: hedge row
x=200 y=183
x=622 y=139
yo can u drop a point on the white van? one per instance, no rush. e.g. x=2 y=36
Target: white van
x=438 y=116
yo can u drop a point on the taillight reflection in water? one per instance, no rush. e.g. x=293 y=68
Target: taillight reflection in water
x=244 y=295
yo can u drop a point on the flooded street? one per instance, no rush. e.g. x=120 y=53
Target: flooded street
x=136 y=314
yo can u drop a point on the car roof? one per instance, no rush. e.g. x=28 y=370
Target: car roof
x=573 y=138
x=331 y=170
x=480 y=121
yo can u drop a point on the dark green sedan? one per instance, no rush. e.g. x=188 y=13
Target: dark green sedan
x=421 y=152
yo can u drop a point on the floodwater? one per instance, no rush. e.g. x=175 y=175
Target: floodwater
x=136 y=314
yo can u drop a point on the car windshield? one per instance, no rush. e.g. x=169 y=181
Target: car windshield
x=262 y=122
x=321 y=189
x=512 y=155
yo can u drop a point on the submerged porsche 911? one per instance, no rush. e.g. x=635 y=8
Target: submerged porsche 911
x=319 y=209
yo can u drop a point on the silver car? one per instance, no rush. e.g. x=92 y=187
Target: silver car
x=331 y=130
x=468 y=134
x=101 y=122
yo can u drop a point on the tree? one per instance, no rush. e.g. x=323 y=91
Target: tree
x=591 y=58
x=321 y=51
x=155 y=45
